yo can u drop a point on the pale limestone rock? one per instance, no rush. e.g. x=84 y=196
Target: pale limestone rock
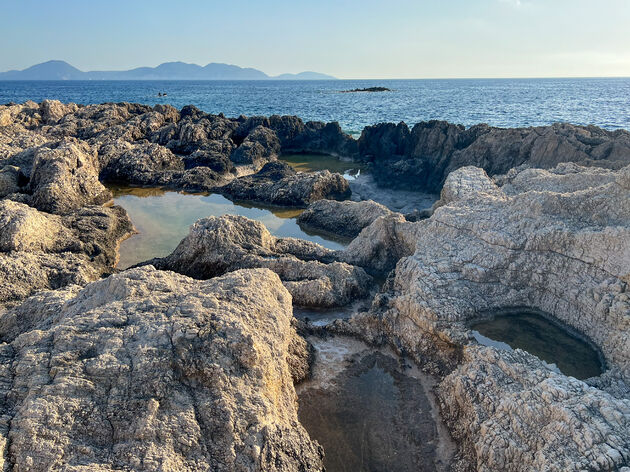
x=42 y=251
x=216 y=245
x=563 y=248
x=65 y=177
x=151 y=370
x=513 y=414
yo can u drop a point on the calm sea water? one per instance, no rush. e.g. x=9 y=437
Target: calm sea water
x=499 y=102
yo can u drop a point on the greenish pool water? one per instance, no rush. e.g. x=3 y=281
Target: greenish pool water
x=162 y=219
x=549 y=341
x=314 y=162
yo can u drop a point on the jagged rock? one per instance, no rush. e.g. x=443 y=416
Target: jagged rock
x=26 y=114
x=278 y=184
x=563 y=248
x=191 y=132
x=138 y=164
x=198 y=179
x=43 y=251
x=53 y=110
x=513 y=414
x=382 y=244
x=215 y=246
x=259 y=147
x=213 y=154
x=90 y=121
x=24 y=273
x=150 y=370
x=345 y=219
x=323 y=138
x=15 y=141
x=421 y=158
x=11 y=180
x=65 y=177
x=285 y=127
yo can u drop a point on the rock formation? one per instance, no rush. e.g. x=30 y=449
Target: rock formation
x=278 y=184
x=215 y=246
x=419 y=158
x=43 y=251
x=563 y=248
x=150 y=370
x=345 y=219
x=422 y=158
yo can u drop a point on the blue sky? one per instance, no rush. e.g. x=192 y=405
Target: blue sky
x=349 y=39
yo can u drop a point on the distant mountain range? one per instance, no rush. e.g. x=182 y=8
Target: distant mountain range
x=61 y=70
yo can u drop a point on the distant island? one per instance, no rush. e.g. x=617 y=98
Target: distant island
x=368 y=89
x=61 y=70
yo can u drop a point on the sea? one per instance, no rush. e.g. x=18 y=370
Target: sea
x=603 y=102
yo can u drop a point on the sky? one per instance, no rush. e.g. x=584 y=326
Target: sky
x=345 y=38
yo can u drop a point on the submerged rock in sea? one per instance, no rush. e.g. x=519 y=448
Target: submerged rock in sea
x=151 y=370
x=216 y=245
x=345 y=219
x=42 y=251
x=278 y=184
x=563 y=248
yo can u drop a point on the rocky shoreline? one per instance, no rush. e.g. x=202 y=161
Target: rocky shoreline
x=188 y=362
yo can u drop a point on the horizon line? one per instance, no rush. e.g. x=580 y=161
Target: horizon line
x=336 y=79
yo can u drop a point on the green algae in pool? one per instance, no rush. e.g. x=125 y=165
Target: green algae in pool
x=532 y=332
x=162 y=219
x=314 y=162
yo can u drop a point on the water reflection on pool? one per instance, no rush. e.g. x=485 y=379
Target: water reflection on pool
x=162 y=219
x=532 y=331
x=314 y=162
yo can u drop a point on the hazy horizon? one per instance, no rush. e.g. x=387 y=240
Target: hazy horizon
x=349 y=40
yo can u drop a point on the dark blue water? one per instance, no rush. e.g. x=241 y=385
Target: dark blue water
x=499 y=102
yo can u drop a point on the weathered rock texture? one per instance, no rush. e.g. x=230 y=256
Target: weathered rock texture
x=513 y=414
x=278 y=184
x=563 y=248
x=422 y=157
x=65 y=177
x=344 y=219
x=218 y=245
x=43 y=251
x=151 y=370
x=161 y=146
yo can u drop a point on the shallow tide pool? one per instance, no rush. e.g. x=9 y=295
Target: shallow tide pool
x=370 y=413
x=556 y=345
x=162 y=219
x=314 y=162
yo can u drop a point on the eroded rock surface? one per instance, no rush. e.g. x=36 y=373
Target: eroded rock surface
x=278 y=184
x=151 y=370
x=345 y=219
x=42 y=251
x=422 y=157
x=563 y=248
x=216 y=245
